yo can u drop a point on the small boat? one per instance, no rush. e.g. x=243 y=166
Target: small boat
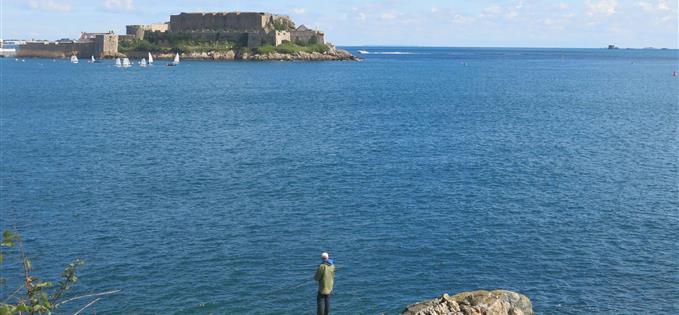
x=92 y=60
x=126 y=63
x=142 y=63
x=118 y=63
x=363 y=52
x=74 y=59
x=175 y=61
x=150 y=60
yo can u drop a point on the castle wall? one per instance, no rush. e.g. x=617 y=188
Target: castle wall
x=241 y=21
x=138 y=30
x=104 y=45
x=280 y=36
x=304 y=37
x=56 y=50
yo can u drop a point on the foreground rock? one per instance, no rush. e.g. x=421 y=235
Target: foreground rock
x=333 y=54
x=498 y=302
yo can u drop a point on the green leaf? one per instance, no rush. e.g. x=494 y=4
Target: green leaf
x=8 y=238
x=44 y=285
x=6 y=309
x=22 y=307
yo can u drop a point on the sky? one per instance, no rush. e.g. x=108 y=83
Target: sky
x=452 y=23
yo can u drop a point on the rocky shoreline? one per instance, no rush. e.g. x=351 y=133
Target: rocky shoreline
x=332 y=55
x=481 y=302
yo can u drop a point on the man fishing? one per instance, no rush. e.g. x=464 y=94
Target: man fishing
x=325 y=275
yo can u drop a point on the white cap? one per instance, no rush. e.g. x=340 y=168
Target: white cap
x=325 y=255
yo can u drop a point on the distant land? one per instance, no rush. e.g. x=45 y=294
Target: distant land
x=206 y=36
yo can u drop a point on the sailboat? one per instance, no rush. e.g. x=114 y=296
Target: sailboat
x=92 y=60
x=74 y=59
x=126 y=63
x=142 y=63
x=175 y=61
x=150 y=60
x=118 y=63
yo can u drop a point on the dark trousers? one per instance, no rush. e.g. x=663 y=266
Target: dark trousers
x=322 y=304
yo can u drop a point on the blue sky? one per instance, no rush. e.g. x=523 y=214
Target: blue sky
x=481 y=23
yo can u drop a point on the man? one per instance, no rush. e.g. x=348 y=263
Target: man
x=325 y=275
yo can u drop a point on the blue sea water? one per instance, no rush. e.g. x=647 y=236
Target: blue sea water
x=212 y=187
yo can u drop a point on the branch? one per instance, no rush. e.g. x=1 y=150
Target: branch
x=86 y=306
x=13 y=293
x=87 y=295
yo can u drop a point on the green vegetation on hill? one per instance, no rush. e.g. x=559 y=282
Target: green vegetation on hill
x=164 y=42
x=291 y=48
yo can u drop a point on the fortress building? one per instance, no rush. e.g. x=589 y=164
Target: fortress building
x=254 y=28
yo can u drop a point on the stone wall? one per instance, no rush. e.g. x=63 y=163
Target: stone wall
x=138 y=30
x=56 y=49
x=280 y=36
x=104 y=45
x=305 y=36
x=237 y=21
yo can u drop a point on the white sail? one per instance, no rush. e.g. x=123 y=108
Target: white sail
x=92 y=59
x=143 y=62
x=150 y=58
x=126 y=63
x=118 y=63
x=74 y=59
x=176 y=58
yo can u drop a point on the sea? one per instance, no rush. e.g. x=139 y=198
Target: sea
x=213 y=187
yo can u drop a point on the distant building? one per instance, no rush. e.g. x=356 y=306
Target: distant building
x=251 y=29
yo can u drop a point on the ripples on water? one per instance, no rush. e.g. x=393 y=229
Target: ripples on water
x=213 y=187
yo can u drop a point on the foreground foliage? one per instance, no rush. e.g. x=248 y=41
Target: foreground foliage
x=35 y=296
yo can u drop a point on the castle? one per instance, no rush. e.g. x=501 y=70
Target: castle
x=256 y=29
x=249 y=29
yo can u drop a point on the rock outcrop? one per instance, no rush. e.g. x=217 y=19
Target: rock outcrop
x=498 y=302
x=332 y=54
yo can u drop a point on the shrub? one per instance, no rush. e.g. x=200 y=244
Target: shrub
x=266 y=49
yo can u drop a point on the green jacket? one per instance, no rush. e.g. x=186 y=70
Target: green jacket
x=325 y=275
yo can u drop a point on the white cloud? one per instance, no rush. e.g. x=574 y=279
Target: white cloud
x=602 y=7
x=118 y=5
x=492 y=10
x=49 y=5
x=389 y=15
x=299 y=10
x=512 y=14
x=361 y=16
x=461 y=19
x=646 y=6
x=434 y=9
x=662 y=5
x=564 y=6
